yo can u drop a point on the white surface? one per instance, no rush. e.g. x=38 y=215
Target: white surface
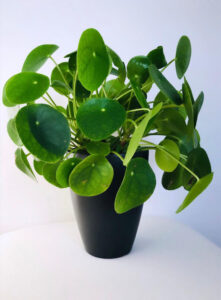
x=169 y=262
x=131 y=28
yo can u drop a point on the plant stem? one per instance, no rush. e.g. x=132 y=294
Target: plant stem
x=138 y=109
x=51 y=99
x=51 y=104
x=131 y=121
x=59 y=70
x=169 y=63
x=74 y=94
x=118 y=155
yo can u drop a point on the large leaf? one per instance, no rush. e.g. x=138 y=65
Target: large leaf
x=56 y=77
x=99 y=117
x=183 y=54
x=157 y=58
x=139 y=94
x=23 y=164
x=13 y=132
x=164 y=85
x=44 y=131
x=93 y=62
x=64 y=170
x=92 y=176
x=195 y=191
x=26 y=87
x=197 y=107
x=49 y=173
x=137 y=69
x=37 y=57
x=98 y=148
x=138 y=133
x=121 y=72
x=137 y=186
x=165 y=161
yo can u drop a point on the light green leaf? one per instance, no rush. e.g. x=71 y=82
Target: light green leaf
x=5 y=100
x=98 y=148
x=121 y=72
x=58 y=83
x=157 y=58
x=23 y=164
x=139 y=95
x=13 y=133
x=38 y=165
x=92 y=176
x=183 y=54
x=164 y=161
x=49 y=173
x=137 y=186
x=64 y=170
x=113 y=88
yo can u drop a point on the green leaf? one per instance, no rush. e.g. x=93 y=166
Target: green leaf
x=64 y=170
x=199 y=163
x=164 y=161
x=38 y=165
x=183 y=54
x=138 y=133
x=113 y=88
x=92 y=176
x=109 y=116
x=93 y=61
x=80 y=91
x=139 y=95
x=56 y=77
x=195 y=191
x=49 y=173
x=13 y=133
x=157 y=58
x=44 y=131
x=98 y=148
x=26 y=87
x=197 y=107
x=137 y=186
x=164 y=85
x=5 y=100
x=121 y=72
x=23 y=164
x=188 y=106
x=37 y=57
x=160 y=97
x=72 y=62
x=173 y=180
x=137 y=69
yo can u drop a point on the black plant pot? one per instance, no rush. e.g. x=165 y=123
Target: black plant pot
x=105 y=233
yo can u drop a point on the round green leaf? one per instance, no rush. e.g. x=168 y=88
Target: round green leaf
x=98 y=118
x=38 y=165
x=183 y=54
x=121 y=72
x=93 y=62
x=13 y=133
x=56 y=77
x=49 y=173
x=37 y=57
x=113 y=88
x=137 y=69
x=92 y=176
x=98 y=148
x=173 y=180
x=164 y=161
x=23 y=164
x=195 y=191
x=26 y=87
x=157 y=58
x=137 y=186
x=80 y=91
x=64 y=170
x=199 y=163
x=5 y=100
x=44 y=131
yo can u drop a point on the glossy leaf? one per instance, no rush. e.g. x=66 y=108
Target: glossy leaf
x=137 y=186
x=113 y=88
x=138 y=133
x=5 y=100
x=139 y=95
x=37 y=57
x=164 y=85
x=93 y=61
x=44 y=131
x=183 y=55
x=109 y=116
x=197 y=107
x=72 y=62
x=164 y=160
x=38 y=165
x=56 y=78
x=13 y=132
x=26 y=87
x=121 y=72
x=137 y=69
x=92 y=176
x=157 y=58
x=49 y=173
x=23 y=164
x=195 y=191
x=64 y=170
x=98 y=148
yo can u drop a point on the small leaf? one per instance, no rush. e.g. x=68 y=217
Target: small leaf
x=26 y=87
x=173 y=180
x=44 y=131
x=37 y=57
x=137 y=69
x=195 y=191
x=139 y=95
x=98 y=148
x=23 y=164
x=188 y=106
x=5 y=100
x=121 y=72
x=137 y=186
x=197 y=107
x=165 y=161
x=64 y=170
x=160 y=97
x=38 y=165
x=183 y=54
x=92 y=176
x=138 y=133
x=80 y=91
x=164 y=85
x=56 y=77
x=72 y=62
x=49 y=173
x=13 y=133
x=109 y=116
x=157 y=58
x=113 y=88
x=93 y=61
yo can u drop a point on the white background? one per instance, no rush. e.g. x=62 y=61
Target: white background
x=130 y=28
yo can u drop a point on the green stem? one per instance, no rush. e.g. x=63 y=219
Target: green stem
x=59 y=70
x=74 y=94
x=131 y=121
x=118 y=155
x=169 y=63
x=51 y=104
x=51 y=99
x=138 y=109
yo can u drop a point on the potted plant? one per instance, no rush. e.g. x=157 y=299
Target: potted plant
x=97 y=143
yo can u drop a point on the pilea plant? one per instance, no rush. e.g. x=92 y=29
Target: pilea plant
x=106 y=111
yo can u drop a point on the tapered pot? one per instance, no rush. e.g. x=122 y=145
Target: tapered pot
x=105 y=233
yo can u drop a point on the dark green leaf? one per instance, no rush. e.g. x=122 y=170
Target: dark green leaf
x=121 y=72
x=173 y=180
x=160 y=97
x=183 y=54
x=137 y=186
x=64 y=170
x=164 y=160
x=188 y=106
x=98 y=148
x=137 y=69
x=197 y=106
x=72 y=62
x=139 y=95
x=113 y=88
x=80 y=91
x=63 y=87
x=23 y=164
x=157 y=58
x=38 y=165
x=49 y=173
x=13 y=133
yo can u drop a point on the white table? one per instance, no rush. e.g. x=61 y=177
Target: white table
x=169 y=262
